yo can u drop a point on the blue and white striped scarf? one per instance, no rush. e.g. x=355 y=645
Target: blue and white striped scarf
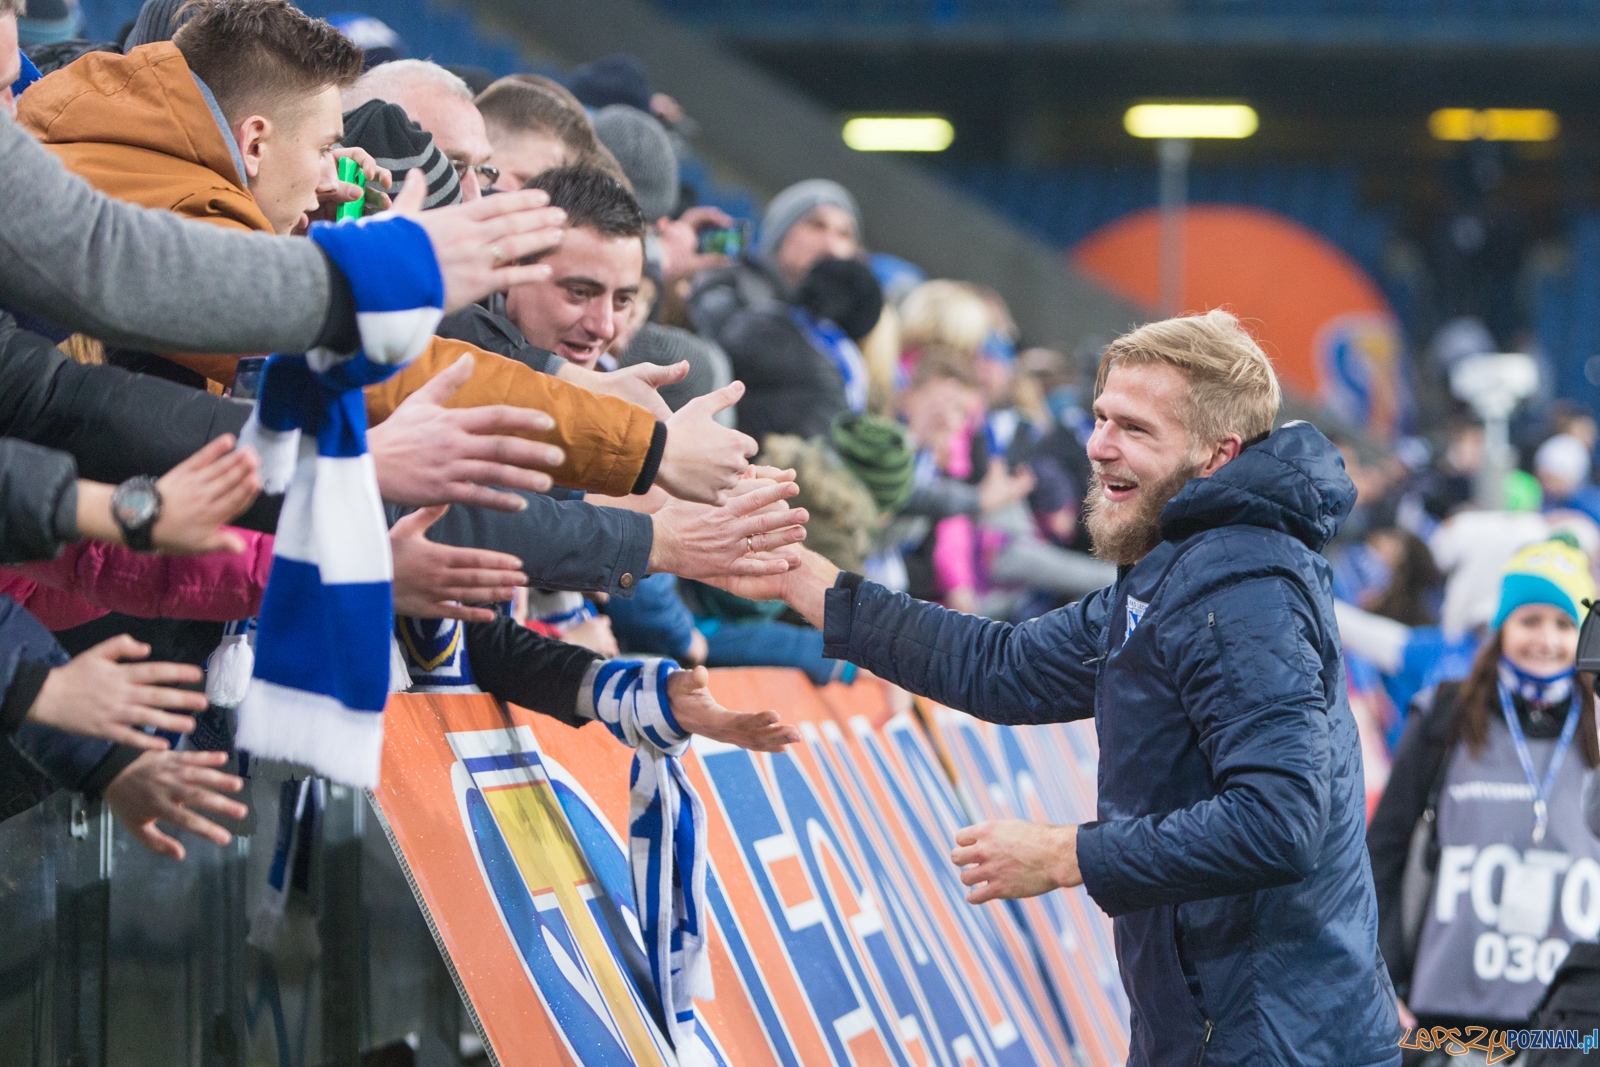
x=322 y=660
x=666 y=839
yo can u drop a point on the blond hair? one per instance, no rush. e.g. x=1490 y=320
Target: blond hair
x=880 y=350
x=1232 y=386
x=943 y=312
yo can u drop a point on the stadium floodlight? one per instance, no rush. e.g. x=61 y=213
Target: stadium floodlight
x=899 y=133
x=1494 y=124
x=1191 y=121
x=1494 y=383
x=1175 y=128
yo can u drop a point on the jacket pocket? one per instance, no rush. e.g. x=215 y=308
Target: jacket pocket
x=1224 y=661
x=1196 y=1005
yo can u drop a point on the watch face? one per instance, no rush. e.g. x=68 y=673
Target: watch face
x=135 y=504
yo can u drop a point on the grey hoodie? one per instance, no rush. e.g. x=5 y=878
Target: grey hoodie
x=148 y=279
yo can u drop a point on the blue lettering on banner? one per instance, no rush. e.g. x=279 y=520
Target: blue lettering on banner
x=953 y=1020
x=982 y=923
x=979 y=924
x=837 y=990
x=750 y=975
x=1027 y=780
x=617 y=920
x=547 y=948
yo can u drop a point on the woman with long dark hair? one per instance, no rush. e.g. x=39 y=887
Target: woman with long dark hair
x=1486 y=872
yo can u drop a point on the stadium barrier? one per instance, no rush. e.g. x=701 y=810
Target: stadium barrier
x=839 y=930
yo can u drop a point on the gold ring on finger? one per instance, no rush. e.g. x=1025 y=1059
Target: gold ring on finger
x=494 y=250
x=750 y=546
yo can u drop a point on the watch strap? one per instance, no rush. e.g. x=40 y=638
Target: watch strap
x=137 y=535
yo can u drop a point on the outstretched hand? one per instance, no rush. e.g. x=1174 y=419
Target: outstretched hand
x=636 y=384
x=698 y=712
x=748 y=536
x=434 y=581
x=1010 y=858
x=168 y=787
x=802 y=581
x=704 y=460
x=99 y=694
x=426 y=453
x=480 y=245
x=214 y=485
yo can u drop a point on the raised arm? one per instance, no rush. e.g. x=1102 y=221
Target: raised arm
x=146 y=278
x=1041 y=671
x=149 y=280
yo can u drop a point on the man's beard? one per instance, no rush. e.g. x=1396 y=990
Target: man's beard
x=1125 y=533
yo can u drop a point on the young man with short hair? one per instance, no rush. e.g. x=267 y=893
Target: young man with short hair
x=534 y=125
x=594 y=273
x=1230 y=848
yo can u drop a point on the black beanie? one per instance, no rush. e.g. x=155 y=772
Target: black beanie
x=398 y=145
x=846 y=293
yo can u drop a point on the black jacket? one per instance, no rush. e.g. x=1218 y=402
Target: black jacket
x=54 y=759
x=563 y=544
x=38 y=501
x=523 y=667
x=490 y=329
x=790 y=387
x=114 y=423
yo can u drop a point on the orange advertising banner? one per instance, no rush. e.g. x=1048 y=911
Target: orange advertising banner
x=838 y=930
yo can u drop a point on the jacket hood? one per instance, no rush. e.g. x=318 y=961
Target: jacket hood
x=1293 y=482
x=146 y=99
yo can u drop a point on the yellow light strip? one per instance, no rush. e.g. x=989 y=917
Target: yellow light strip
x=1494 y=124
x=1191 y=120
x=899 y=133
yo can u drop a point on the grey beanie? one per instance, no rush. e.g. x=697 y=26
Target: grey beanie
x=644 y=151
x=793 y=204
x=157 y=21
x=709 y=369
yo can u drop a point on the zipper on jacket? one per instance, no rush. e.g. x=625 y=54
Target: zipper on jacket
x=1205 y=1043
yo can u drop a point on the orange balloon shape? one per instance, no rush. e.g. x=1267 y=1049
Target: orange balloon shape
x=1332 y=336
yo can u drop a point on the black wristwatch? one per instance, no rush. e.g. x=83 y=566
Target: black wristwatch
x=136 y=505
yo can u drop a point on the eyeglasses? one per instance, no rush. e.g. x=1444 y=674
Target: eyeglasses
x=487 y=174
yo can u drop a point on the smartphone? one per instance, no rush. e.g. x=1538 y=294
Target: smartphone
x=731 y=241
x=247 y=377
x=350 y=171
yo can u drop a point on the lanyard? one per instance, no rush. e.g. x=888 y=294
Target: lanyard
x=1541 y=793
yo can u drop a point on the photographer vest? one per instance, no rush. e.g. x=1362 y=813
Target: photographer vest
x=1505 y=911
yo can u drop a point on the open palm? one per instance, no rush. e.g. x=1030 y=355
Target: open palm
x=698 y=712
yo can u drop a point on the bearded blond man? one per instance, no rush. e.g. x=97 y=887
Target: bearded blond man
x=1230 y=848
